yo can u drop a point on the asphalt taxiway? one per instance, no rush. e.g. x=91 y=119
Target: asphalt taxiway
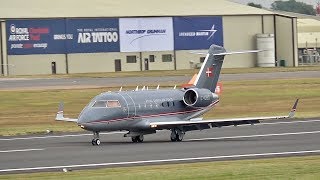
x=74 y=151
x=62 y=83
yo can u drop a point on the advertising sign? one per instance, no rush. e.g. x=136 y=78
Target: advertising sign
x=197 y=32
x=146 y=34
x=93 y=35
x=35 y=36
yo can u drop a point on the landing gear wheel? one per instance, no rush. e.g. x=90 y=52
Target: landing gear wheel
x=179 y=137
x=134 y=139
x=137 y=139
x=176 y=135
x=140 y=138
x=95 y=140
x=173 y=136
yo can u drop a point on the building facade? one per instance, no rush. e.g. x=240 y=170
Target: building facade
x=59 y=37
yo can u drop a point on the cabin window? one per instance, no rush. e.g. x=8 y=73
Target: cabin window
x=167 y=104
x=113 y=104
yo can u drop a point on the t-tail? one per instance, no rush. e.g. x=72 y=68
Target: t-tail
x=209 y=73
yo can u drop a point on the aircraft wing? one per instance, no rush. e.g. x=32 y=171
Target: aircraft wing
x=60 y=117
x=198 y=124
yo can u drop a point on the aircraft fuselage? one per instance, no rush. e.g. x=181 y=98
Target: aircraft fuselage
x=135 y=110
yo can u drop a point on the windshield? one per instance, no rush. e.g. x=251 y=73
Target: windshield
x=107 y=104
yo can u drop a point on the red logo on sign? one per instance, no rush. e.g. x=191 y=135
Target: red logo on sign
x=209 y=72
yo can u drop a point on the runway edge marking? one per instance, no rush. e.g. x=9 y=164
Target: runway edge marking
x=163 y=160
x=252 y=136
x=20 y=150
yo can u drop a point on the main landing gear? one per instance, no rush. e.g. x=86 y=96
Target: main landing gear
x=176 y=134
x=137 y=139
x=95 y=140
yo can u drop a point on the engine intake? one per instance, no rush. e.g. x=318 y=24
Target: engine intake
x=199 y=97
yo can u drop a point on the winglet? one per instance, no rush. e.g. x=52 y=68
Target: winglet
x=60 y=116
x=293 y=110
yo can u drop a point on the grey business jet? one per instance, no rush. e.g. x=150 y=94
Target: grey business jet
x=142 y=112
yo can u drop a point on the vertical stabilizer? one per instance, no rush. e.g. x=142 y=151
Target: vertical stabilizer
x=209 y=73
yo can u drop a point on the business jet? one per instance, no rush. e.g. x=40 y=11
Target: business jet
x=142 y=112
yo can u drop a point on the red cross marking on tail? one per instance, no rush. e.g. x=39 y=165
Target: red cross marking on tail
x=209 y=72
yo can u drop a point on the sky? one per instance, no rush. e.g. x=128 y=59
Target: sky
x=267 y=3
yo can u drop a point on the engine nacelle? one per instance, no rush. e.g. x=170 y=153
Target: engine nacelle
x=199 y=97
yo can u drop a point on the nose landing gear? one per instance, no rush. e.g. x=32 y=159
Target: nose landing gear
x=95 y=140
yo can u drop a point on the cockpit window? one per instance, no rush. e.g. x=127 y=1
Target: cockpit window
x=113 y=104
x=107 y=104
x=99 y=104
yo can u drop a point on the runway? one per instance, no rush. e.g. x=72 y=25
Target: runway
x=62 y=83
x=74 y=151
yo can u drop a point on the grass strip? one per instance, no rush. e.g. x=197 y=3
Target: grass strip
x=27 y=112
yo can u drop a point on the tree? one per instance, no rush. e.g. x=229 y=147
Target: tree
x=293 y=6
x=255 y=5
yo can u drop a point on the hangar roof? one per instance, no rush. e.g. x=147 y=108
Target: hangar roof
x=122 y=8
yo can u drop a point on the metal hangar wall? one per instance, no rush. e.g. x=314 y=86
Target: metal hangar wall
x=160 y=40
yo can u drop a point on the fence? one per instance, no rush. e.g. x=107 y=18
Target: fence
x=309 y=60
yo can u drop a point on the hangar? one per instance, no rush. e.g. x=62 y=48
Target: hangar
x=44 y=37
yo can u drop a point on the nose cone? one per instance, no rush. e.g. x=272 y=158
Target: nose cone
x=84 y=116
x=81 y=119
x=88 y=119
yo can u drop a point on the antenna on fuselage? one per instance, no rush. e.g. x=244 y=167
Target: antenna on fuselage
x=137 y=88
x=175 y=87
x=143 y=88
x=158 y=86
x=147 y=88
x=120 y=89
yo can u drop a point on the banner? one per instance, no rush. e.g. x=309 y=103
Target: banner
x=146 y=34
x=35 y=36
x=192 y=33
x=93 y=35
